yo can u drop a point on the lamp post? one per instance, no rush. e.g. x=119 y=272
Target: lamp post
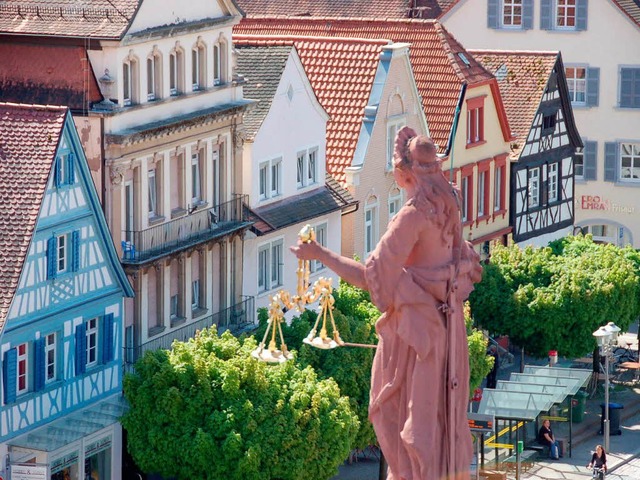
x=606 y=337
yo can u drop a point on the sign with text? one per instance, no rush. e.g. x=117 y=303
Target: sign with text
x=596 y=202
x=28 y=472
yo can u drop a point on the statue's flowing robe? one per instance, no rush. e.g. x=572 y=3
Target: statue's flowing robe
x=409 y=399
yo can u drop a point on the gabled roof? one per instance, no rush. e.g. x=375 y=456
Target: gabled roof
x=68 y=18
x=631 y=8
x=47 y=75
x=29 y=137
x=341 y=72
x=378 y=9
x=440 y=64
x=522 y=77
x=262 y=66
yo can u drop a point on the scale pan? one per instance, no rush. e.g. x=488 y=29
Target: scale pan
x=271 y=356
x=319 y=342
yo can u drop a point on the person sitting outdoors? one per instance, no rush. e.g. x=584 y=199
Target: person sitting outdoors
x=546 y=437
x=599 y=460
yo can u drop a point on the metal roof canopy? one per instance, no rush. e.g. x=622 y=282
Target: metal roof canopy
x=558 y=391
x=581 y=374
x=511 y=405
x=571 y=385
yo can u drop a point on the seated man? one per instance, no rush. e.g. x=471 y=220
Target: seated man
x=545 y=437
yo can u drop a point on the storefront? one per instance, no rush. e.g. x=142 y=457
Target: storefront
x=85 y=445
x=607 y=220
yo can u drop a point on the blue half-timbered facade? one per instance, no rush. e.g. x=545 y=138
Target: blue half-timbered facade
x=61 y=321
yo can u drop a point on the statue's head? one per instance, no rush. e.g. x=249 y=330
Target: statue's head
x=413 y=150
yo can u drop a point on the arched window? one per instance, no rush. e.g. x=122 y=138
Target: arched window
x=371 y=223
x=130 y=81
x=154 y=75
x=198 y=66
x=176 y=71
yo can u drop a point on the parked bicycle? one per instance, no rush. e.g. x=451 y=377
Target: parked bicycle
x=625 y=354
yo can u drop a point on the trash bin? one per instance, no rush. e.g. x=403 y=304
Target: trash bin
x=614 y=418
x=578 y=405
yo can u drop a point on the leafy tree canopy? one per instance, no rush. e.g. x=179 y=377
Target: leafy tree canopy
x=555 y=297
x=237 y=418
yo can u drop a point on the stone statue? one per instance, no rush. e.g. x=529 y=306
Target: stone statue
x=419 y=275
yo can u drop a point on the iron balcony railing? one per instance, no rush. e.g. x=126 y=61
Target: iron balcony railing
x=199 y=226
x=237 y=318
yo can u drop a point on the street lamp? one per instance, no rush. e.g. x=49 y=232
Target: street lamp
x=606 y=337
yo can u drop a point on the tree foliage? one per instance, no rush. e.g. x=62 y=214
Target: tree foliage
x=206 y=409
x=555 y=297
x=480 y=364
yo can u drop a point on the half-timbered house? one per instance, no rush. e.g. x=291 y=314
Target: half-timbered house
x=62 y=293
x=536 y=97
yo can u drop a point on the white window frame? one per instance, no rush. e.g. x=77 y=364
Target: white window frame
x=127 y=83
x=270 y=179
x=195 y=294
x=92 y=341
x=482 y=175
x=263 y=183
x=473 y=120
x=394 y=202
x=62 y=253
x=497 y=188
x=556 y=14
x=393 y=125
x=552 y=182
x=533 y=187
x=512 y=5
x=578 y=165
x=270 y=266
x=312 y=166
x=198 y=66
x=633 y=156
x=576 y=84
x=23 y=378
x=464 y=197
x=307 y=167
x=50 y=353
x=174 y=306
x=217 y=64
x=152 y=187
x=301 y=175
x=151 y=78
x=196 y=178
x=321 y=230
x=173 y=73
x=371 y=222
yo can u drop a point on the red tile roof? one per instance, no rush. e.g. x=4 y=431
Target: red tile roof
x=438 y=67
x=522 y=77
x=378 y=9
x=47 y=75
x=341 y=72
x=68 y=18
x=29 y=136
x=631 y=8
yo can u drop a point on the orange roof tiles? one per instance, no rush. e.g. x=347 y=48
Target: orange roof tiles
x=341 y=72
x=29 y=136
x=438 y=68
x=522 y=77
x=68 y=18
x=47 y=75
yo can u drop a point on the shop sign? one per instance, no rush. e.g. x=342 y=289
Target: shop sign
x=98 y=446
x=596 y=202
x=28 y=472
x=64 y=462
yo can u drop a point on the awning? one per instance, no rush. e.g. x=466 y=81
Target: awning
x=72 y=427
x=558 y=391
x=511 y=405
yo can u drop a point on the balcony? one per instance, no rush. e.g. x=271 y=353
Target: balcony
x=237 y=318
x=200 y=226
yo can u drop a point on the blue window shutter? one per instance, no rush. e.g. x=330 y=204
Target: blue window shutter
x=57 y=172
x=51 y=258
x=593 y=86
x=546 y=14
x=590 y=160
x=71 y=172
x=75 y=250
x=629 y=85
x=527 y=14
x=81 y=349
x=39 y=364
x=493 y=14
x=9 y=371
x=610 y=161
x=107 y=338
x=582 y=8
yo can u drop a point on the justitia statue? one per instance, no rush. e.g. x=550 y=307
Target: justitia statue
x=419 y=275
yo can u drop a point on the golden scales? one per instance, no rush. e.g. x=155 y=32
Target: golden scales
x=322 y=290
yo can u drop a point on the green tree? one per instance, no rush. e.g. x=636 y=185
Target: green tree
x=555 y=297
x=480 y=364
x=237 y=418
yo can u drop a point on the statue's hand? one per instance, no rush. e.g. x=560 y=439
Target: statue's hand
x=309 y=250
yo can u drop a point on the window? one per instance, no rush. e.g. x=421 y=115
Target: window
x=533 y=187
x=630 y=162
x=64 y=173
x=578 y=165
x=61 y=263
x=498 y=185
x=548 y=124
x=92 y=342
x=23 y=368
x=552 y=179
x=270 y=179
x=370 y=226
x=174 y=304
x=395 y=202
x=475 y=121
x=198 y=68
x=63 y=254
x=270 y=265
x=216 y=65
x=512 y=13
x=176 y=72
x=566 y=13
x=307 y=168
x=464 y=203
x=577 y=83
x=130 y=81
x=195 y=294
x=300 y=166
x=563 y=14
x=196 y=180
x=154 y=76
x=312 y=171
x=50 y=357
x=321 y=238
x=393 y=125
x=153 y=194
x=483 y=192
x=630 y=87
